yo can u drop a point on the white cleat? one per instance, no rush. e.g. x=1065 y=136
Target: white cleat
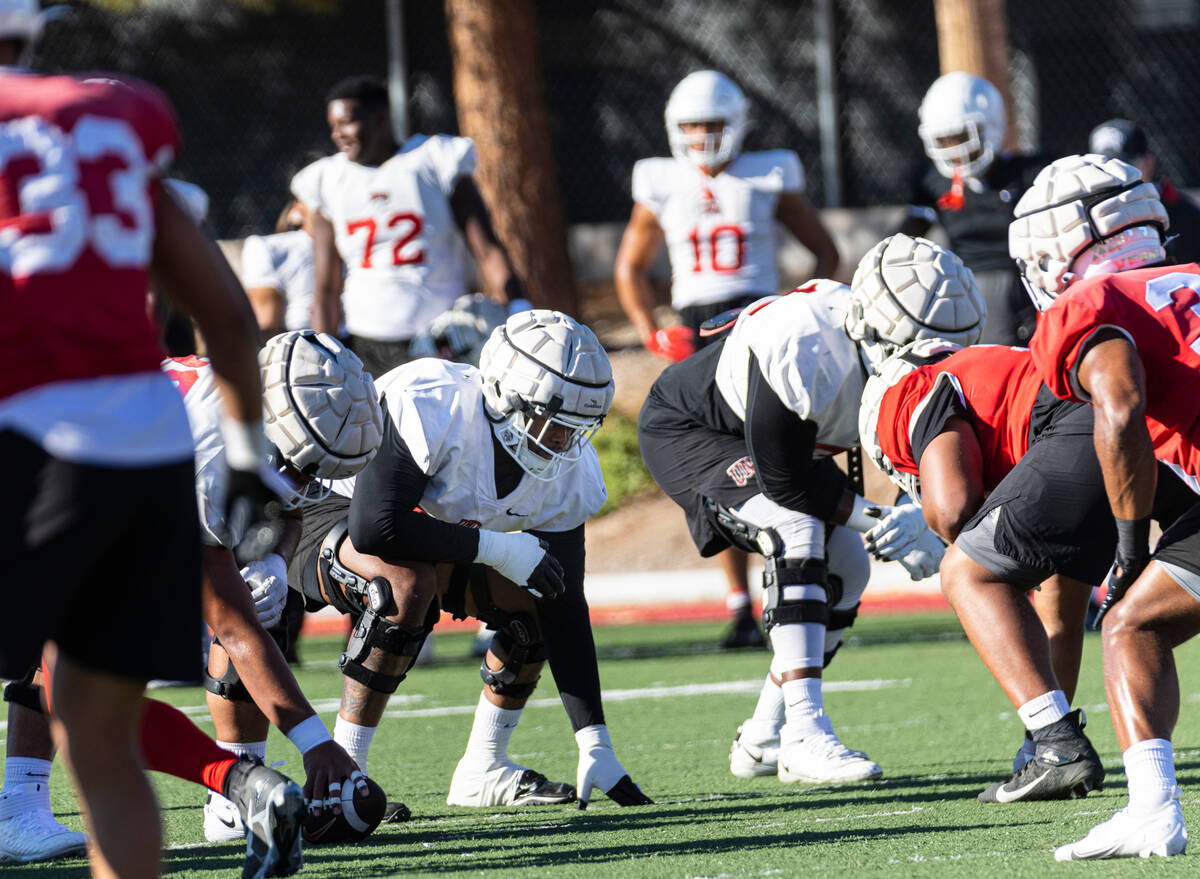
x=34 y=835
x=504 y=783
x=751 y=756
x=222 y=821
x=822 y=759
x=1125 y=835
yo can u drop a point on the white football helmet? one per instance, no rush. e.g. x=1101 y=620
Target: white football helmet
x=962 y=124
x=319 y=409
x=706 y=96
x=906 y=289
x=547 y=385
x=910 y=357
x=20 y=20
x=460 y=332
x=1084 y=216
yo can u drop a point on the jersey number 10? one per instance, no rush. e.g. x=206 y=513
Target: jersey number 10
x=727 y=258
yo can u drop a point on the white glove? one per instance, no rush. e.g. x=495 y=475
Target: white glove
x=523 y=559
x=924 y=557
x=267 y=579
x=600 y=768
x=898 y=529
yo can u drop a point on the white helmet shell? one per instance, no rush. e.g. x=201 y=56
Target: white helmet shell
x=20 y=20
x=541 y=370
x=962 y=124
x=320 y=409
x=1074 y=204
x=906 y=289
x=910 y=357
x=706 y=96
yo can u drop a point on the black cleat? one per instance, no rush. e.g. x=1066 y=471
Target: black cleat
x=396 y=813
x=743 y=632
x=534 y=789
x=272 y=808
x=1065 y=767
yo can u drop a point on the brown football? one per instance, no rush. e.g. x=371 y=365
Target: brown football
x=361 y=814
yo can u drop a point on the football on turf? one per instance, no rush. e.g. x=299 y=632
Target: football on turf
x=361 y=814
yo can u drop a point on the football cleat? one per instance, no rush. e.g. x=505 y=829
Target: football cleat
x=743 y=632
x=396 y=812
x=751 y=756
x=222 y=822
x=34 y=835
x=1065 y=766
x=1126 y=835
x=504 y=783
x=1025 y=753
x=272 y=808
x=822 y=758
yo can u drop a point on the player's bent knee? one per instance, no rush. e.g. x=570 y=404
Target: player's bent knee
x=228 y=685
x=372 y=630
x=795 y=591
x=521 y=645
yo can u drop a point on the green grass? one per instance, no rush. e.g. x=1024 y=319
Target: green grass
x=933 y=719
x=624 y=472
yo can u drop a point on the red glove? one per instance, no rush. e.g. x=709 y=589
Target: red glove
x=672 y=343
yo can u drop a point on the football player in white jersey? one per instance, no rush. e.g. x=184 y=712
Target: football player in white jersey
x=499 y=462
x=393 y=218
x=277 y=272
x=323 y=417
x=716 y=208
x=741 y=435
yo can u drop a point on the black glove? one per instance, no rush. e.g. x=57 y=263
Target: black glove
x=1133 y=554
x=546 y=581
x=626 y=793
x=254 y=509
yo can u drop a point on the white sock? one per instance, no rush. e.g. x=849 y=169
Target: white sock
x=26 y=786
x=355 y=739
x=768 y=714
x=1044 y=710
x=737 y=602
x=249 y=749
x=804 y=708
x=1150 y=768
x=491 y=731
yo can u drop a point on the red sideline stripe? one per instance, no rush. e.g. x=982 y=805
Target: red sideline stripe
x=647 y=614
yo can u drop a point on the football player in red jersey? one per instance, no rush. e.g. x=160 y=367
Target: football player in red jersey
x=1006 y=472
x=1122 y=332
x=97 y=438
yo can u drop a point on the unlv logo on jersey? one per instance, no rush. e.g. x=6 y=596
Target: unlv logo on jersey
x=741 y=471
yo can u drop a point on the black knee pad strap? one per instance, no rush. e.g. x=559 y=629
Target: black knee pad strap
x=522 y=644
x=373 y=630
x=778 y=573
x=25 y=693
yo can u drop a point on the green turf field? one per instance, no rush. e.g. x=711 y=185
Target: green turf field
x=908 y=690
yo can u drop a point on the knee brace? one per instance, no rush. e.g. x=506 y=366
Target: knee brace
x=372 y=629
x=742 y=534
x=840 y=619
x=338 y=586
x=522 y=644
x=780 y=573
x=25 y=693
x=229 y=685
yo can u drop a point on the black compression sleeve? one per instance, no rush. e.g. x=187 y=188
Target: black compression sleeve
x=567 y=630
x=383 y=522
x=781 y=445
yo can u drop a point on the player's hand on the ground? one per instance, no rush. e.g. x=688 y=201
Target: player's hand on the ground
x=523 y=559
x=1133 y=554
x=924 y=557
x=599 y=768
x=898 y=529
x=673 y=343
x=267 y=579
x=329 y=769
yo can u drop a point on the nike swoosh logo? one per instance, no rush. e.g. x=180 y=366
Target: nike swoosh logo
x=232 y=825
x=516 y=515
x=1011 y=796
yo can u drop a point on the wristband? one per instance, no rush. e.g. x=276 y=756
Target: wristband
x=1133 y=535
x=245 y=443
x=309 y=733
x=860 y=519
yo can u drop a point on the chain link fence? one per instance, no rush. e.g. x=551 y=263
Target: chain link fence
x=248 y=82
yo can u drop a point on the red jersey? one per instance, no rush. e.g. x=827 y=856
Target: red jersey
x=1159 y=310
x=79 y=167
x=993 y=386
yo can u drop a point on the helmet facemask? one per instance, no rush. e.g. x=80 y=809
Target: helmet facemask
x=959 y=147
x=304 y=490
x=546 y=445
x=706 y=97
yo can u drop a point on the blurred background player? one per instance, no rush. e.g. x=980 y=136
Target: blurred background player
x=390 y=219
x=1125 y=140
x=969 y=187
x=85 y=413
x=499 y=461
x=741 y=435
x=716 y=208
x=277 y=272
x=1117 y=331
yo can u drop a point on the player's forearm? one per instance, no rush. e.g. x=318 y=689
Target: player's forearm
x=326 y=308
x=636 y=296
x=1126 y=456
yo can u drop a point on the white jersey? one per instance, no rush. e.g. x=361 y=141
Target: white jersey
x=437 y=406
x=720 y=231
x=395 y=231
x=282 y=262
x=194 y=378
x=806 y=357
